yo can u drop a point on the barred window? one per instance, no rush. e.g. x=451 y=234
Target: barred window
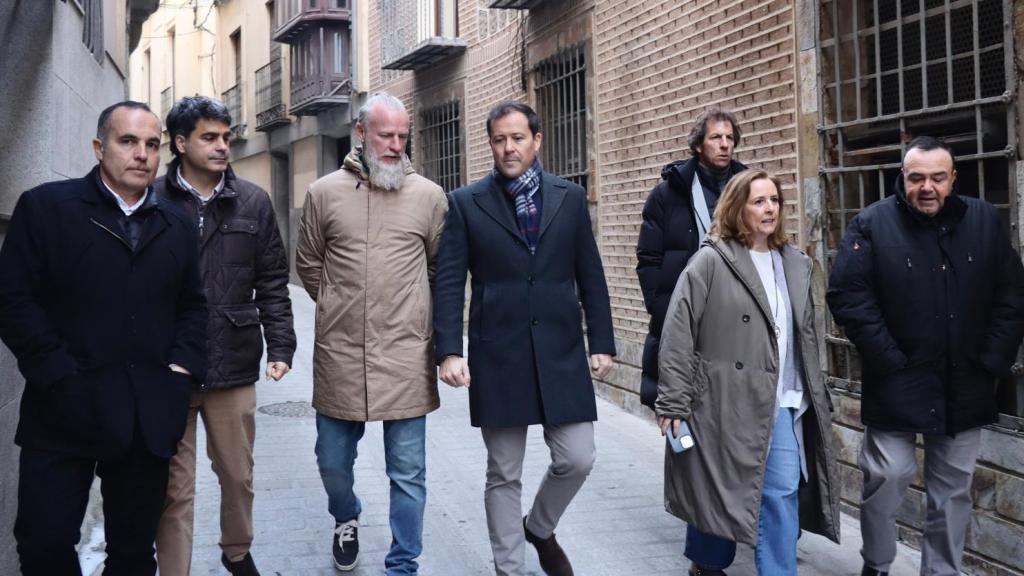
x=561 y=92
x=891 y=71
x=441 y=135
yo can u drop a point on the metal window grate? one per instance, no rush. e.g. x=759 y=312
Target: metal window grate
x=442 y=145
x=891 y=71
x=561 y=91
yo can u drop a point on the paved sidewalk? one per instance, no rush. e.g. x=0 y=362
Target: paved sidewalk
x=617 y=525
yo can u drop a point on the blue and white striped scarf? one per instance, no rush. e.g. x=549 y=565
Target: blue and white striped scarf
x=523 y=190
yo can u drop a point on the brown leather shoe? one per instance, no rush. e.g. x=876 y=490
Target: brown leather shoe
x=696 y=570
x=553 y=560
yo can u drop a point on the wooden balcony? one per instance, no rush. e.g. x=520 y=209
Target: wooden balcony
x=271 y=110
x=294 y=18
x=314 y=95
x=320 y=70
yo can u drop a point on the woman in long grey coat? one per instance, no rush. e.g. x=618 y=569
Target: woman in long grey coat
x=739 y=364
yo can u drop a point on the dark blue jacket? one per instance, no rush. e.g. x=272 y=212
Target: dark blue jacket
x=935 y=307
x=527 y=358
x=94 y=323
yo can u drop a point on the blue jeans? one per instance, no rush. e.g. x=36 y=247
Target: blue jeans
x=778 y=522
x=406 y=466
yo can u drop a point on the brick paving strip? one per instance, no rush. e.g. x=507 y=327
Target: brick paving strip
x=617 y=525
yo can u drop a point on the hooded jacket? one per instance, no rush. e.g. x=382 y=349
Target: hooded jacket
x=667 y=241
x=367 y=257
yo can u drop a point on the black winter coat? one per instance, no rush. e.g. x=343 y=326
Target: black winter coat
x=244 y=269
x=935 y=307
x=94 y=324
x=526 y=358
x=668 y=239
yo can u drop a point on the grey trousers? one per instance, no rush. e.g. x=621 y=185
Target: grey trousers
x=572 y=458
x=887 y=461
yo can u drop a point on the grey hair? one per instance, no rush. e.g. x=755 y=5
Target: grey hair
x=387 y=100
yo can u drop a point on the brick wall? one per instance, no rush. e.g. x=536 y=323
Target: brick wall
x=660 y=63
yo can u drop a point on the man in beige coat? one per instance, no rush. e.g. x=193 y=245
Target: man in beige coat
x=366 y=251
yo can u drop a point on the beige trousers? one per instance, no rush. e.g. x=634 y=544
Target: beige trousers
x=229 y=418
x=572 y=458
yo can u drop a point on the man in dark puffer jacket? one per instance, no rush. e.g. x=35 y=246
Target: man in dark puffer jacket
x=245 y=275
x=676 y=217
x=930 y=291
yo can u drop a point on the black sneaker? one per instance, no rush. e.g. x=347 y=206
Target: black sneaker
x=243 y=567
x=346 y=544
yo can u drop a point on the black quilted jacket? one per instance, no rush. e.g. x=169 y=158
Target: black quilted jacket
x=244 y=270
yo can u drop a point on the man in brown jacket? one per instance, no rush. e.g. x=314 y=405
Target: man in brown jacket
x=366 y=251
x=244 y=270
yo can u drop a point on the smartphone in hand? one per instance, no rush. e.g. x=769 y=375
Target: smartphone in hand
x=684 y=441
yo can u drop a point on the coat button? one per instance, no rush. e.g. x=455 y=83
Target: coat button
x=531 y=280
x=739 y=365
x=746 y=317
x=534 y=322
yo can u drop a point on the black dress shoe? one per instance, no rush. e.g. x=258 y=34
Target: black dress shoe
x=553 y=560
x=872 y=572
x=696 y=570
x=243 y=567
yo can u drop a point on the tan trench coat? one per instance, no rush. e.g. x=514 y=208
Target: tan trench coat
x=366 y=256
x=718 y=370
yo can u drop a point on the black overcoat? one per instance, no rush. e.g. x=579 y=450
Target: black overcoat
x=935 y=307
x=668 y=239
x=526 y=358
x=94 y=324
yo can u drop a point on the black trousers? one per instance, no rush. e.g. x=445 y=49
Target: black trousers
x=53 y=493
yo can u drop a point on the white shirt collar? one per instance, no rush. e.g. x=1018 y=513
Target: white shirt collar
x=185 y=185
x=124 y=206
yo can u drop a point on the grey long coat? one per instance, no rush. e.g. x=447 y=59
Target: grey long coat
x=718 y=370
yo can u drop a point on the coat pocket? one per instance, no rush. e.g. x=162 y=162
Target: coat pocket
x=72 y=402
x=238 y=238
x=241 y=342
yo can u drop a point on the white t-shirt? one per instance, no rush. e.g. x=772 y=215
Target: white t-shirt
x=783 y=318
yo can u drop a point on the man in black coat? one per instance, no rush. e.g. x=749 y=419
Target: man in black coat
x=244 y=270
x=525 y=238
x=676 y=217
x=930 y=291
x=101 y=304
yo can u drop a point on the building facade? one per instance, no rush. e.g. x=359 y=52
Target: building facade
x=64 y=61
x=828 y=93
x=284 y=69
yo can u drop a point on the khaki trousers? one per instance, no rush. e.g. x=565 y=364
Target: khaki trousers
x=229 y=418
x=572 y=458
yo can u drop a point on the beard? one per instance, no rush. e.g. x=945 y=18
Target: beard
x=385 y=175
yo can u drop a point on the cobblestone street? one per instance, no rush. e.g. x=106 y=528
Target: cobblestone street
x=617 y=525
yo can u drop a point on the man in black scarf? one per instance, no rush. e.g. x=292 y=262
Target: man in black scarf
x=676 y=217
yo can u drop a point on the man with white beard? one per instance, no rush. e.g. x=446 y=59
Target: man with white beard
x=366 y=252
